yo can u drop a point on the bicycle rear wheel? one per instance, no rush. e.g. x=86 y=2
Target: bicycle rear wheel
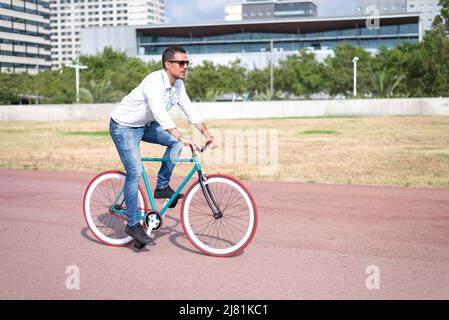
x=230 y=232
x=106 y=225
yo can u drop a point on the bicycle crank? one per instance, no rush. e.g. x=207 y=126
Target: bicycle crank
x=173 y=204
x=154 y=221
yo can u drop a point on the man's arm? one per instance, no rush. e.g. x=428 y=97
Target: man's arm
x=186 y=141
x=194 y=117
x=205 y=132
x=189 y=141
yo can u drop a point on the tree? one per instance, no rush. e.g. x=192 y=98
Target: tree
x=128 y=74
x=389 y=65
x=441 y=21
x=98 y=65
x=99 y=92
x=425 y=64
x=339 y=72
x=409 y=69
x=385 y=85
x=300 y=74
x=232 y=77
x=258 y=81
x=268 y=96
x=429 y=66
x=52 y=86
x=9 y=88
x=203 y=80
x=123 y=73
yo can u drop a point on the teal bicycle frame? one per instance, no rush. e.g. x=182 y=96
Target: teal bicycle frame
x=196 y=168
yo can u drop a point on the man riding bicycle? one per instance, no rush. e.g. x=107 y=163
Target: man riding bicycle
x=143 y=115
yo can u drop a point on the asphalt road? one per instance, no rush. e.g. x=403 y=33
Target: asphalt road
x=313 y=242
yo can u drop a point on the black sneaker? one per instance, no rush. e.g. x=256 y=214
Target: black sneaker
x=137 y=233
x=166 y=193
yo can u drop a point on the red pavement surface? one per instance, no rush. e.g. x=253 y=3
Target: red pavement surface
x=313 y=242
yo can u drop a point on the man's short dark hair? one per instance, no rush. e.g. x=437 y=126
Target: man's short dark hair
x=169 y=53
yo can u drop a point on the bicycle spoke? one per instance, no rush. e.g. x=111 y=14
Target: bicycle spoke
x=108 y=225
x=228 y=231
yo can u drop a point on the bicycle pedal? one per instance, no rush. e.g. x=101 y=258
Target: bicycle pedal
x=173 y=204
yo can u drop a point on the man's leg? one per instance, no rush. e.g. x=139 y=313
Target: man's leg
x=155 y=134
x=127 y=141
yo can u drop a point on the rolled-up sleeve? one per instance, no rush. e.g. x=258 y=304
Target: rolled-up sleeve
x=187 y=107
x=154 y=93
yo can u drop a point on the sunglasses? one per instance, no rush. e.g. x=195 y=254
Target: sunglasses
x=181 y=63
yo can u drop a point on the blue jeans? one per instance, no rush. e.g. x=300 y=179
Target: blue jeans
x=127 y=141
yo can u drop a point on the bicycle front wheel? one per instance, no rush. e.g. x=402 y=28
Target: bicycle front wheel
x=228 y=233
x=103 y=220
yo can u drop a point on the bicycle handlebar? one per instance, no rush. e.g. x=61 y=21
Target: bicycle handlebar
x=204 y=148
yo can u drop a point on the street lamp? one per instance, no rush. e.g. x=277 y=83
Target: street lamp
x=355 y=74
x=77 y=67
x=37 y=86
x=271 y=69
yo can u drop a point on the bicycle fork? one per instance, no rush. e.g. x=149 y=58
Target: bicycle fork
x=208 y=195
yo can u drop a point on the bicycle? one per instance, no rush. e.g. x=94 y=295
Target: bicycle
x=218 y=214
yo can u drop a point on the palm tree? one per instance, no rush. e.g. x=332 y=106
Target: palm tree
x=211 y=94
x=99 y=92
x=267 y=96
x=384 y=86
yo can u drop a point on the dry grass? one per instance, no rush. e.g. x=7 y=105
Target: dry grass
x=404 y=151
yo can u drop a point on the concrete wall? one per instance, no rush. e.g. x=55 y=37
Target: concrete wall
x=239 y=110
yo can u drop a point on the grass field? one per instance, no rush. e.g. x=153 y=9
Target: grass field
x=404 y=151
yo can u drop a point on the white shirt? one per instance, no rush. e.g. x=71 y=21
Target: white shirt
x=152 y=100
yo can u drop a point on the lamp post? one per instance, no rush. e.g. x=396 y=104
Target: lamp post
x=355 y=74
x=271 y=68
x=37 y=86
x=77 y=67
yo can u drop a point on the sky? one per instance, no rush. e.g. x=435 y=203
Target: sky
x=181 y=11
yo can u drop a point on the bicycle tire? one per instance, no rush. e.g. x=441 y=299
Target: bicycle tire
x=225 y=236
x=108 y=227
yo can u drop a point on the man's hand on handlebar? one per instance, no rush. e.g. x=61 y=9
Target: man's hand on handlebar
x=189 y=142
x=210 y=140
x=210 y=143
x=196 y=147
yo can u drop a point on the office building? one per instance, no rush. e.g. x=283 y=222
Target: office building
x=254 y=41
x=428 y=9
x=24 y=36
x=233 y=11
x=367 y=7
x=69 y=17
x=269 y=9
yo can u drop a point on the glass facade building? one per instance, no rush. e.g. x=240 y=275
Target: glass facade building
x=252 y=41
x=245 y=37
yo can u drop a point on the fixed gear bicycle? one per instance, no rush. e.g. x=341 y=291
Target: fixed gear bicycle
x=218 y=213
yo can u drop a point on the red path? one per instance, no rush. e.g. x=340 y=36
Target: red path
x=313 y=242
